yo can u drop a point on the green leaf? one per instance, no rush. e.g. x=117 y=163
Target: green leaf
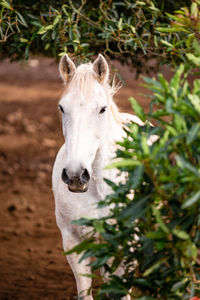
x=46 y=47
x=171 y=130
x=163 y=82
x=154 y=85
x=176 y=18
x=89 y=275
x=133 y=29
x=180 y=123
x=196 y=86
x=21 y=19
x=196 y=46
x=144 y=145
x=5 y=4
x=168 y=29
x=137 y=176
x=23 y=40
x=194 y=59
x=80 y=247
x=56 y=20
x=98 y=225
x=137 y=109
x=189 y=41
x=193 y=133
x=181 y=234
x=83 y=221
x=156 y=235
x=120 y=24
x=175 y=81
x=160 y=244
x=182 y=163
x=160 y=220
x=191 y=200
x=124 y=163
x=134 y=210
x=194 y=9
x=44 y=29
x=167 y=43
x=155 y=266
x=141 y=282
x=113 y=289
x=98 y=263
x=179 y=284
x=192 y=250
x=195 y=100
x=140 y=3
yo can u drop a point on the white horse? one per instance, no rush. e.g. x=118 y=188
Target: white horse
x=91 y=125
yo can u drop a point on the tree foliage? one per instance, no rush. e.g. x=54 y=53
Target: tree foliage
x=130 y=31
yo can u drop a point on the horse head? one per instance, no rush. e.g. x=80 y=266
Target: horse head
x=85 y=107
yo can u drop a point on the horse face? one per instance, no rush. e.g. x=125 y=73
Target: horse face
x=84 y=109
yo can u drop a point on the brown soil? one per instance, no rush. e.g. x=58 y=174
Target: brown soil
x=32 y=265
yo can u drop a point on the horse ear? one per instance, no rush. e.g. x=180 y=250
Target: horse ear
x=100 y=67
x=67 y=68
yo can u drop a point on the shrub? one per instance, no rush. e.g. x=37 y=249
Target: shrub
x=130 y=31
x=156 y=233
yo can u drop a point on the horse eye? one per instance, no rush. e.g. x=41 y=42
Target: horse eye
x=61 y=108
x=103 y=109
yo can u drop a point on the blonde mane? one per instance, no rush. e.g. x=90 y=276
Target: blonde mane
x=84 y=79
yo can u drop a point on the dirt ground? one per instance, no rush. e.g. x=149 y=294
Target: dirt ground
x=32 y=265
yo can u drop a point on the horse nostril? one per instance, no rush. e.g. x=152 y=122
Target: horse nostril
x=85 y=176
x=65 y=177
x=77 y=180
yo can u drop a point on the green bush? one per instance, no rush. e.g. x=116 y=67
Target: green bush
x=156 y=233
x=131 y=31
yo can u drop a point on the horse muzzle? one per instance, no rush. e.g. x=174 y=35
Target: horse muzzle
x=78 y=183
